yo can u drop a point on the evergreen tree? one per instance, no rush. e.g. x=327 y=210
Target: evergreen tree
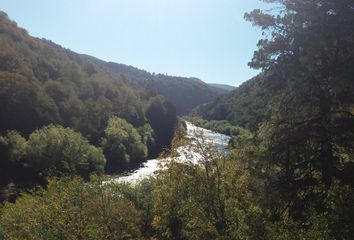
x=307 y=58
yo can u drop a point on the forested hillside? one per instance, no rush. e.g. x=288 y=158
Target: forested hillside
x=246 y=106
x=42 y=83
x=184 y=93
x=223 y=88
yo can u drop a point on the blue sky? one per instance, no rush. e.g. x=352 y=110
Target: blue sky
x=208 y=39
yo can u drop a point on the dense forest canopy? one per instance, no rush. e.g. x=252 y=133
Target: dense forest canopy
x=289 y=173
x=183 y=93
x=42 y=83
x=246 y=106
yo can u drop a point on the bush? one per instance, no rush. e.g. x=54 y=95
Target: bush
x=72 y=209
x=123 y=144
x=55 y=151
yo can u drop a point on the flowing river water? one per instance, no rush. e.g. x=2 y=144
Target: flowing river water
x=186 y=154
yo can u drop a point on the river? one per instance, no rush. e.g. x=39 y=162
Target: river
x=186 y=154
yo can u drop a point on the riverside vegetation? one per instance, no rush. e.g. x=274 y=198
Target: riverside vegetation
x=289 y=173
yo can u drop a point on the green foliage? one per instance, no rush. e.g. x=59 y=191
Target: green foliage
x=148 y=137
x=42 y=83
x=55 y=150
x=49 y=151
x=183 y=93
x=72 y=209
x=23 y=104
x=212 y=200
x=162 y=118
x=291 y=177
x=12 y=152
x=309 y=135
x=339 y=203
x=220 y=198
x=12 y=147
x=246 y=106
x=123 y=143
x=288 y=229
x=300 y=109
x=89 y=69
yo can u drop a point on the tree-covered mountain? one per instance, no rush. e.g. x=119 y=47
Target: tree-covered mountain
x=43 y=84
x=244 y=106
x=223 y=88
x=184 y=93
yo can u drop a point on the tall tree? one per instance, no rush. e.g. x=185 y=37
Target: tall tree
x=162 y=117
x=122 y=144
x=307 y=56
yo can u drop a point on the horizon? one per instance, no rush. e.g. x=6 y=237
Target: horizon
x=203 y=39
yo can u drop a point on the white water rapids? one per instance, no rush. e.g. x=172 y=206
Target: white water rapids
x=217 y=140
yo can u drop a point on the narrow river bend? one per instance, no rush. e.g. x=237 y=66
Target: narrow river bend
x=217 y=140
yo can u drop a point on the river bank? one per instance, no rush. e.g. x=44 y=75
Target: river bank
x=186 y=154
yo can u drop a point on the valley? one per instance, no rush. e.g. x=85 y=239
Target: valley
x=94 y=149
x=185 y=153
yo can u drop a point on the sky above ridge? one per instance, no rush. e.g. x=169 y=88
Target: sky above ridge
x=207 y=39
